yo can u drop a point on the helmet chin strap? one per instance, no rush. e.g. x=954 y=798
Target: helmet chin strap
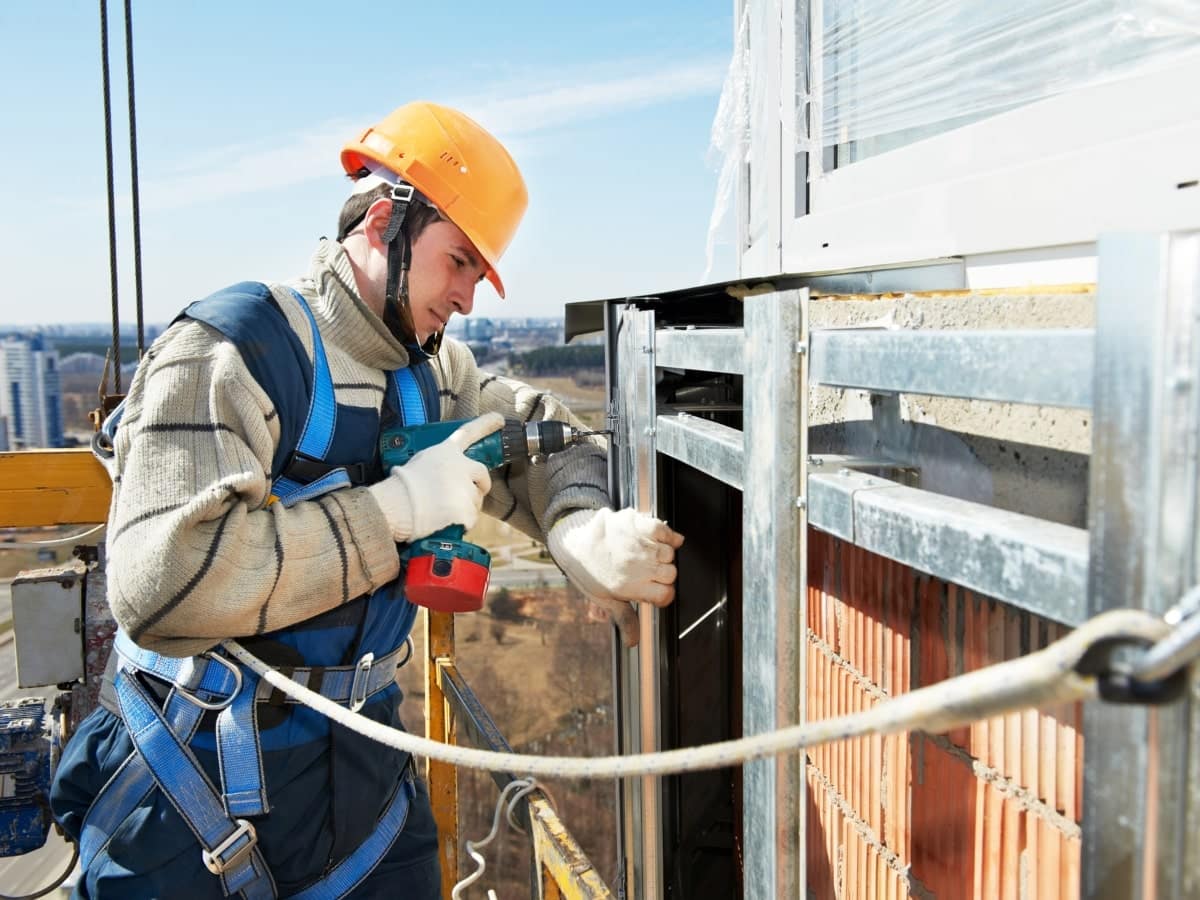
x=397 y=314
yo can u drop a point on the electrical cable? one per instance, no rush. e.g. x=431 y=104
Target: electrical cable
x=1046 y=677
x=61 y=878
x=521 y=786
x=55 y=542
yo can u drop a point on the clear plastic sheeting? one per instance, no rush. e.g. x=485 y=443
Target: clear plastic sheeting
x=891 y=72
x=729 y=139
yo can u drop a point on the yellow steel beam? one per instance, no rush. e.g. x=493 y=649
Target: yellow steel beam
x=440 y=726
x=52 y=487
x=572 y=875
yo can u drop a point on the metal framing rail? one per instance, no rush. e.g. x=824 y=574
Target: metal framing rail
x=1143 y=384
x=1049 y=367
x=1142 y=773
x=1026 y=562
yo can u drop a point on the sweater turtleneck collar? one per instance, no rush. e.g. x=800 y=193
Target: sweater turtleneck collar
x=345 y=318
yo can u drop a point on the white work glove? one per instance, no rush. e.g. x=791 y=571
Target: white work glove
x=439 y=486
x=614 y=557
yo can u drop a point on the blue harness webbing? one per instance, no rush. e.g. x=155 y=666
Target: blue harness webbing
x=213 y=682
x=319 y=426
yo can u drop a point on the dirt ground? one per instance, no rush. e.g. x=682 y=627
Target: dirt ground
x=546 y=681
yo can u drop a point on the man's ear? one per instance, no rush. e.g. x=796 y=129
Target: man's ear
x=375 y=222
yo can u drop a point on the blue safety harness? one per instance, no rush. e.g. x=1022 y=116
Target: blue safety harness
x=164 y=730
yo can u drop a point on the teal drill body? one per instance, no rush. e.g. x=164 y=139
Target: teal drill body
x=443 y=571
x=399 y=445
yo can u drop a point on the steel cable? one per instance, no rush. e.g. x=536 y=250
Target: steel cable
x=112 y=214
x=133 y=184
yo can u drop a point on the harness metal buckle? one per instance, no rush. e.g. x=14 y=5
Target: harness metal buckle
x=361 y=682
x=222 y=704
x=403 y=192
x=215 y=861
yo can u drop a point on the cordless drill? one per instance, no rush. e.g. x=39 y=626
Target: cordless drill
x=444 y=572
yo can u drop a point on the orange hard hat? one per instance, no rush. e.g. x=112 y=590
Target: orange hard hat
x=464 y=171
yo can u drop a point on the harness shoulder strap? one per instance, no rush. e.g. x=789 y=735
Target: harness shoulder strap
x=248 y=315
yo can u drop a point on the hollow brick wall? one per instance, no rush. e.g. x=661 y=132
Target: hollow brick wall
x=987 y=812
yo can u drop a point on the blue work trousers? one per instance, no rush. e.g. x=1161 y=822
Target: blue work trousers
x=153 y=854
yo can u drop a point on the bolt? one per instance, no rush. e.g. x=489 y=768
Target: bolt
x=801 y=503
x=801 y=347
x=845 y=473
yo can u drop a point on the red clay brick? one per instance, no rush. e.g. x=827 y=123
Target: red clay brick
x=961 y=835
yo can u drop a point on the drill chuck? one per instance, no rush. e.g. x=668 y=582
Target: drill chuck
x=519 y=441
x=544 y=438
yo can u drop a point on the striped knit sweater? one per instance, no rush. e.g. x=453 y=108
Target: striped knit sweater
x=196 y=554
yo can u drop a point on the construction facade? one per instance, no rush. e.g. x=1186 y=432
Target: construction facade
x=961 y=423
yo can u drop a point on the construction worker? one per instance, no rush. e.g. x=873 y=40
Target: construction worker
x=248 y=502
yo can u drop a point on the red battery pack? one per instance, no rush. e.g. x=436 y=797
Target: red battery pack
x=447 y=585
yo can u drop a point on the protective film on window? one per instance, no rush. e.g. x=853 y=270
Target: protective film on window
x=888 y=73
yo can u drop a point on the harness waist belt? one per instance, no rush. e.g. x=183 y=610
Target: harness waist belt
x=346 y=685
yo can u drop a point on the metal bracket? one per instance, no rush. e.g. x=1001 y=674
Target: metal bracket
x=893 y=470
x=1116 y=678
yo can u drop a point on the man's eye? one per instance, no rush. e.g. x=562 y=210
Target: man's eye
x=458 y=262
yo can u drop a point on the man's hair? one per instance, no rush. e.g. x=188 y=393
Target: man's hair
x=420 y=215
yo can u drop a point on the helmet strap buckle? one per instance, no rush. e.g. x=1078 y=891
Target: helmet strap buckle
x=403 y=193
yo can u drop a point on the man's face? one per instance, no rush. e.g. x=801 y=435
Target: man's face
x=445 y=269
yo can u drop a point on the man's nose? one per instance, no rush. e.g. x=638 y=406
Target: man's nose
x=464 y=298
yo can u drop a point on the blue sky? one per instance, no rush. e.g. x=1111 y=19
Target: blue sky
x=242 y=108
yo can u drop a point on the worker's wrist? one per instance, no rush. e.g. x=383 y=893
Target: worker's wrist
x=568 y=543
x=570 y=520
x=395 y=502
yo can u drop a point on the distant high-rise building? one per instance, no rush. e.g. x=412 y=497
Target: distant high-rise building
x=478 y=331
x=30 y=396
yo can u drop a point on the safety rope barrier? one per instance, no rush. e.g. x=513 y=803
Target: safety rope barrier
x=1047 y=677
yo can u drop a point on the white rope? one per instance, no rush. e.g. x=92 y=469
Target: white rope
x=1044 y=678
x=69 y=539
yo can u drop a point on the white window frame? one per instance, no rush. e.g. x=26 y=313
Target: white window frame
x=1021 y=196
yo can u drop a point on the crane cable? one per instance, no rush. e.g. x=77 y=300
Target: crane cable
x=133 y=182
x=1047 y=677
x=112 y=212
x=111 y=190
x=112 y=270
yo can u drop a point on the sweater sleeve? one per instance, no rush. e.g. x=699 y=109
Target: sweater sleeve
x=531 y=497
x=196 y=551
